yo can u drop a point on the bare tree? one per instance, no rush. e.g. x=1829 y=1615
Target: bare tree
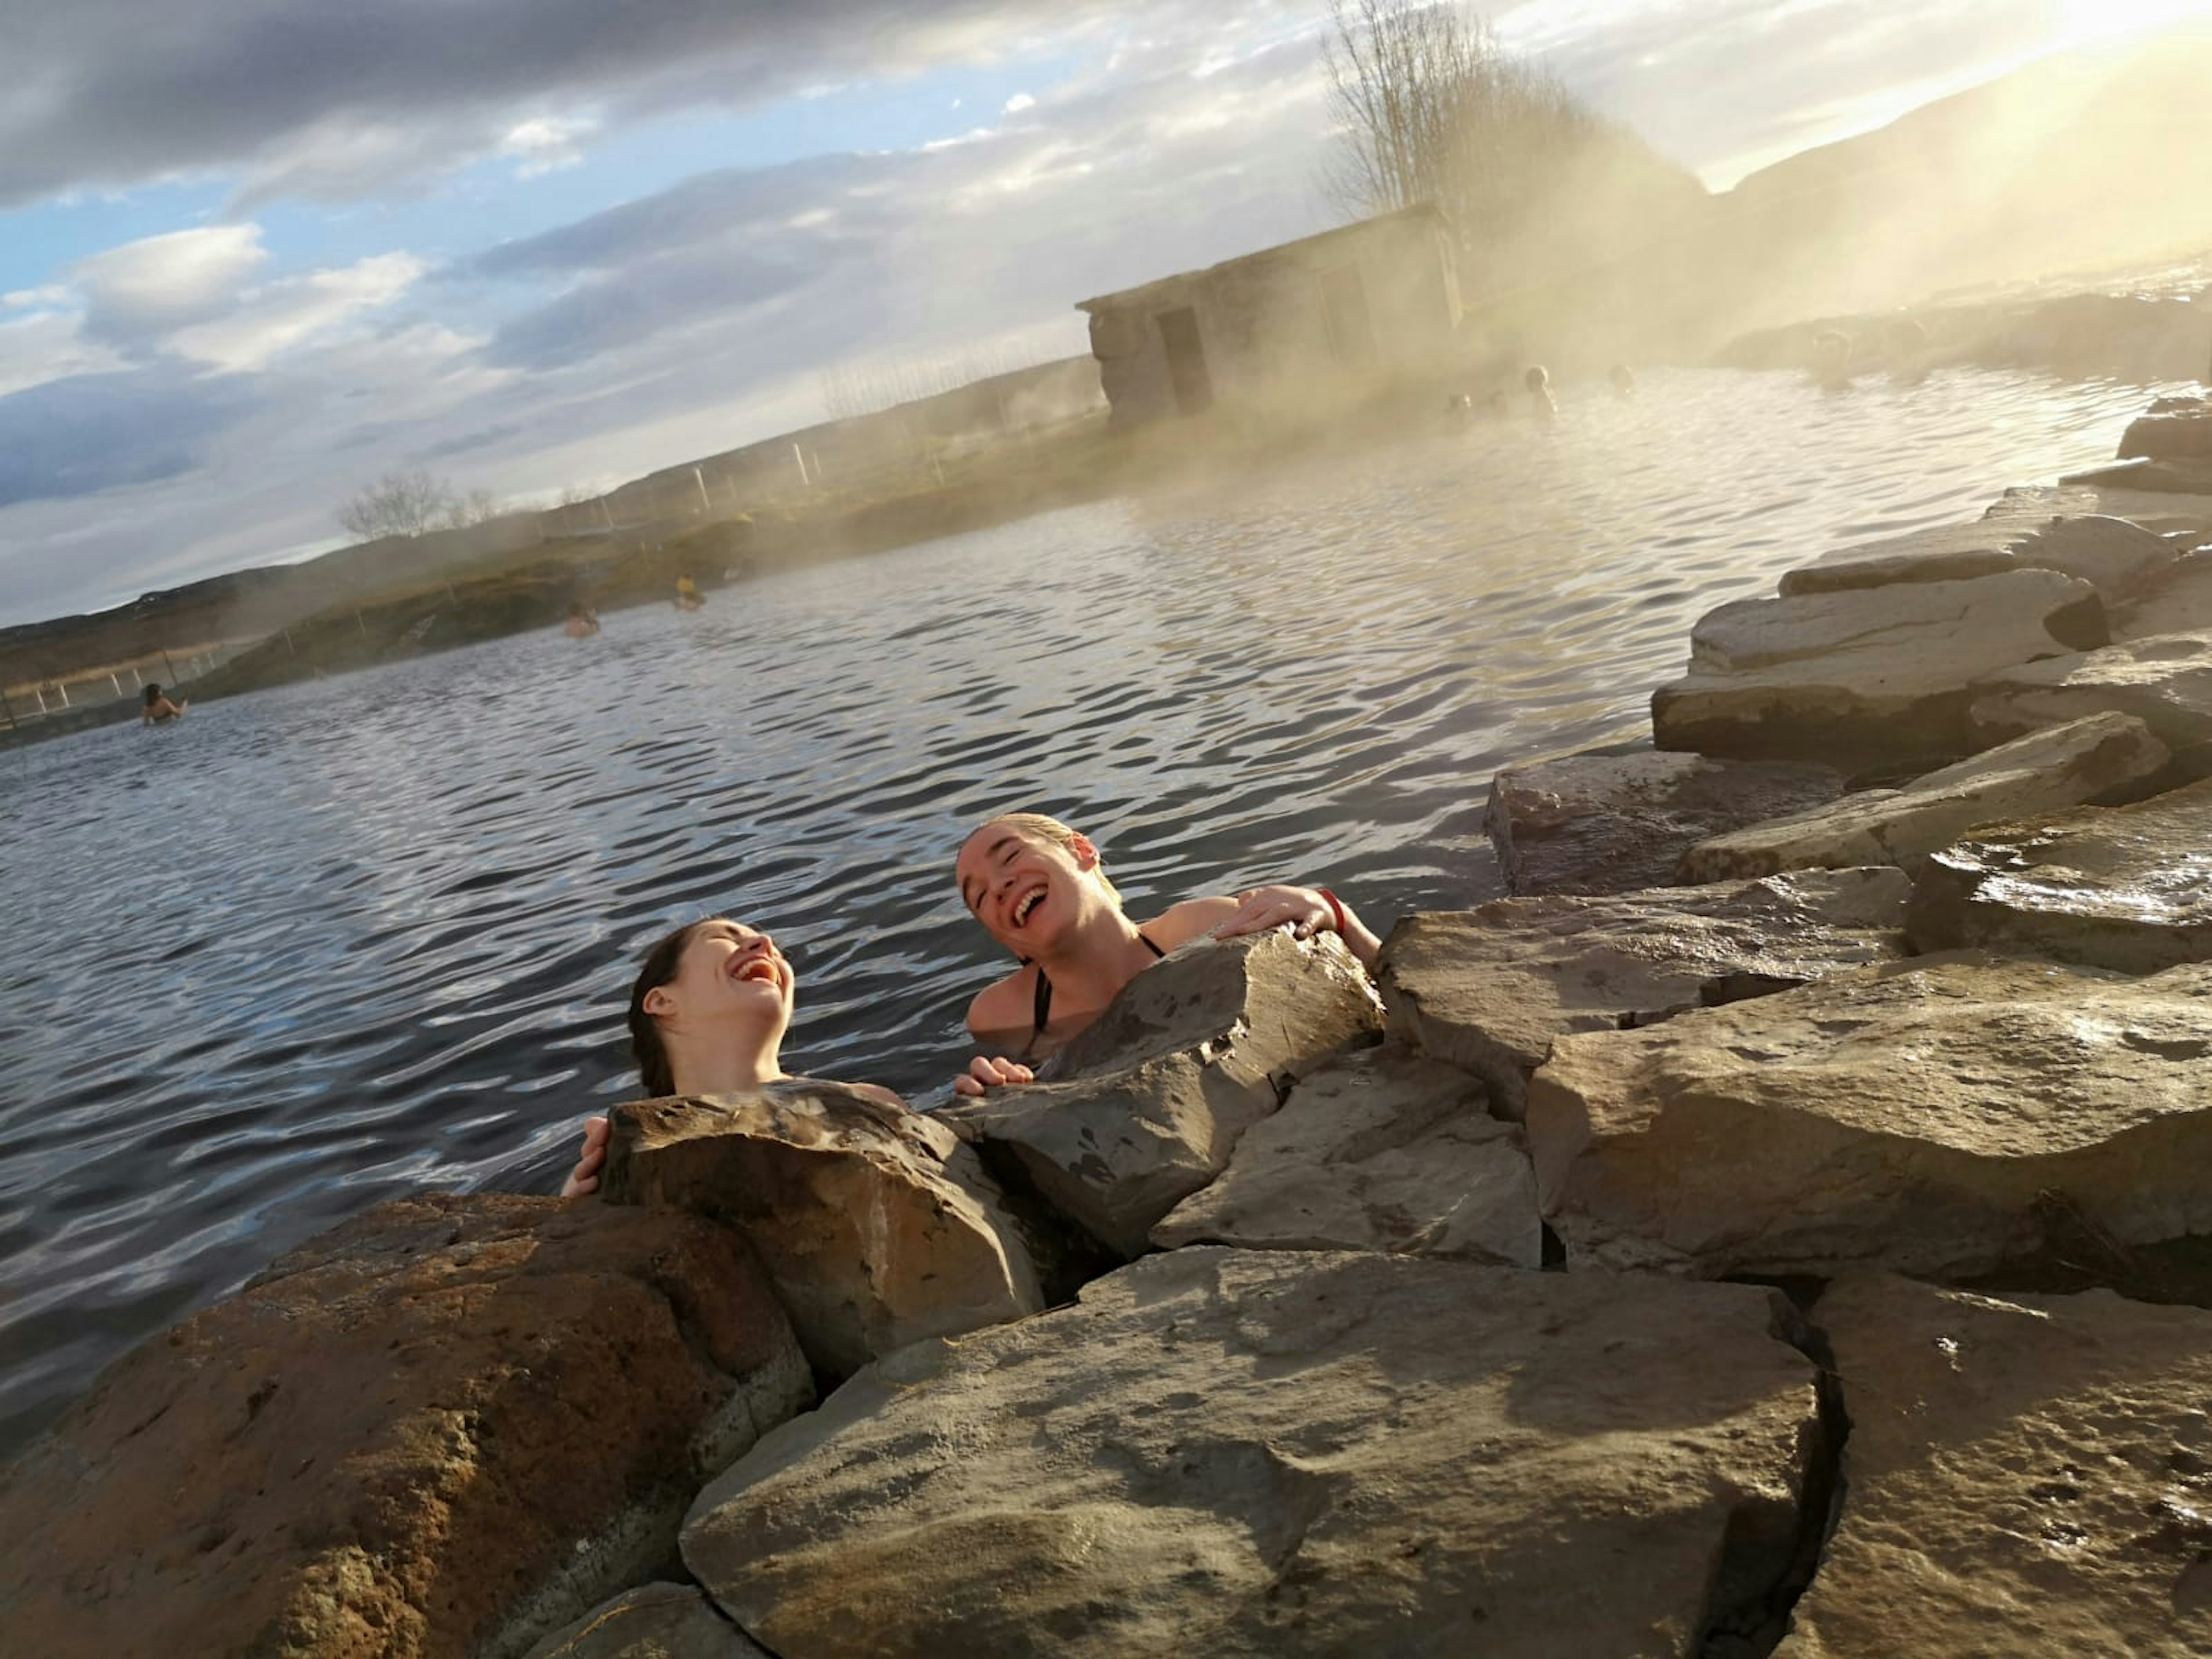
x=1430 y=107
x=401 y=503
x=475 y=507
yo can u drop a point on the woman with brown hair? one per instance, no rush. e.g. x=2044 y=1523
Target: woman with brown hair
x=708 y=1012
x=1040 y=890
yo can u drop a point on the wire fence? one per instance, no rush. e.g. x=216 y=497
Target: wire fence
x=26 y=702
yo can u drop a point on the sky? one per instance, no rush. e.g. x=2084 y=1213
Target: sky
x=255 y=253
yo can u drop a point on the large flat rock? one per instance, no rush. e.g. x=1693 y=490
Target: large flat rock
x=1612 y=824
x=2165 y=681
x=2025 y=1475
x=1866 y=678
x=1914 y=1117
x=2114 y=556
x=2125 y=887
x=1146 y=1107
x=448 y=1427
x=877 y=1226
x=1383 y=1150
x=1491 y=989
x=2179 y=602
x=655 y=1621
x=2049 y=770
x=1270 y=1455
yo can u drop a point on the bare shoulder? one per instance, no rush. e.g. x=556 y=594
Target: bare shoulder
x=1186 y=921
x=1005 y=1006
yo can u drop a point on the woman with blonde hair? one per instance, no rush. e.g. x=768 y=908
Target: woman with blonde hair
x=1040 y=890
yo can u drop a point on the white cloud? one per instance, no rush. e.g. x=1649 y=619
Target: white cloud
x=159 y=284
x=547 y=143
x=48 y=345
x=44 y=299
x=279 y=316
x=1018 y=102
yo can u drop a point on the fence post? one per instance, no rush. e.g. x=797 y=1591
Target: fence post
x=173 y=667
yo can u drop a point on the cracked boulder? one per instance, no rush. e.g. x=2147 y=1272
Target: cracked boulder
x=2165 y=681
x=876 y=1226
x=2125 y=887
x=1613 y=823
x=1867 y=679
x=1144 y=1108
x=2113 y=556
x=1270 y=1455
x=1918 y=1117
x=655 y=1621
x=2025 y=1474
x=2057 y=767
x=1383 y=1150
x=1491 y=989
x=448 y=1426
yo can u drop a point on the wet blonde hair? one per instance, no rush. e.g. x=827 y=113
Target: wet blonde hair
x=1037 y=827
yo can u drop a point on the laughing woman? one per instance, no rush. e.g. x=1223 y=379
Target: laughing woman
x=707 y=1013
x=1040 y=889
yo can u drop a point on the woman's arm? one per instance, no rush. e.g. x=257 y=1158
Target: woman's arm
x=1308 y=910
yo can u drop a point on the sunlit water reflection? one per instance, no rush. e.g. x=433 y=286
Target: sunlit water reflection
x=325 y=946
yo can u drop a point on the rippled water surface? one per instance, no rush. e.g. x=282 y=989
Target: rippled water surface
x=328 y=945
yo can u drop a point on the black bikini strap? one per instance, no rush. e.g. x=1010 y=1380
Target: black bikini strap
x=1042 y=1008
x=1149 y=945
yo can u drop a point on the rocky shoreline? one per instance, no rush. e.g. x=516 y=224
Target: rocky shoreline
x=1780 y=1227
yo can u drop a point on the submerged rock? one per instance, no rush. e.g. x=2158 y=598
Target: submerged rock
x=2024 y=1475
x=1270 y=1455
x=2048 y=770
x=1911 y=1116
x=1383 y=1150
x=2126 y=888
x=1491 y=989
x=656 y=1621
x=2165 y=681
x=448 y=1426
x=1866 y=678
x=1146 y=1107
x=2113 y=555
x=877 y=1226
x=1613 y=823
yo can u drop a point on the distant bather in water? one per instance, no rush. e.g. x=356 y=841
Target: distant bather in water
x=1040 y=889
x=708 y=1012
x=1542 y=405
x=156 y=710
x=582 y=624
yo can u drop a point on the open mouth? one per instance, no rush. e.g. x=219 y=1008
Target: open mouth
x=761 y=968
x=1030 y=901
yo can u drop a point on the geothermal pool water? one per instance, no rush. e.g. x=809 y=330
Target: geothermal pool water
x=329 y=944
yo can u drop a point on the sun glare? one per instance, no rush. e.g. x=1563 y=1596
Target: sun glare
x=2107 y=20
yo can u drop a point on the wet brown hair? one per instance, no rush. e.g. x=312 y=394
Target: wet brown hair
x=659 y=967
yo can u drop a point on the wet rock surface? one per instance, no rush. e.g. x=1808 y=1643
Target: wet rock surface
x=2165 y=681
x=1382 y=1150
x=2023 y=1476
x=2060 y=767
x=2180 y=431
x=446 y=1427
x=656 y=1621
x=2126 y=888
x=1146 y=1107
x=1911 y=1117
x=877 y=1226
x=2114 y=556
x=1285 y=1454
x=1614 y=824
x=1870 y=677
x=1491 y=989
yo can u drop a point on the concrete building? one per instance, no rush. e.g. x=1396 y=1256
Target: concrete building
x=1336 y=314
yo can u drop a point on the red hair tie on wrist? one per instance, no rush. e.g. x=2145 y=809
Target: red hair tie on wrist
x=1335 y=908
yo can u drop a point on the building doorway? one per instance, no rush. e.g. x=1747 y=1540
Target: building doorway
x=1193 y=387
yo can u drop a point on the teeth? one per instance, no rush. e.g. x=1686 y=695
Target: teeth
x=1022 y=910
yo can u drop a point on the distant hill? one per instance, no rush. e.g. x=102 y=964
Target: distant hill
x=2089 y=159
